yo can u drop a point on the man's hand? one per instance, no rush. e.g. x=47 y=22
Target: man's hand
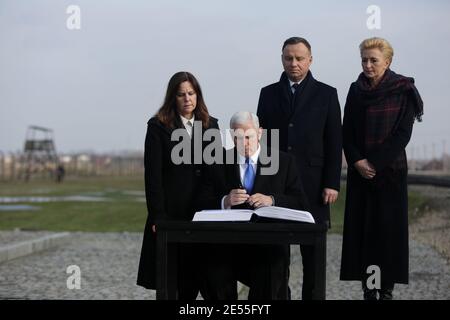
x=329 y=196
x=365 y=169
x=258 y=200
x=154 y=228
x=235 y=197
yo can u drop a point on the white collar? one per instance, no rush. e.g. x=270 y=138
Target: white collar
x=291 y=83
x=185 y=121
x=253 y=158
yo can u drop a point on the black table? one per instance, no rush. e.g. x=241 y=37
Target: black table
x=172 y=233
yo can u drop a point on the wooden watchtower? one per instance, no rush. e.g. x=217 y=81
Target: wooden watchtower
x=40 y=156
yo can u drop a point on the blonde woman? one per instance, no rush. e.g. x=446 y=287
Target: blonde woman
x=379 y=115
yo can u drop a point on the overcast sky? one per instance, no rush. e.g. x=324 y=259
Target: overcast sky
x=96 y=87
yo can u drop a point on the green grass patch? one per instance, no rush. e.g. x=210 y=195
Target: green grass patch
x=72 y=186
x=122 y=212
x=417 y=205
x=337 y=213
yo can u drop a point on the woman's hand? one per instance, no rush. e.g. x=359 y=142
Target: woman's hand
x=365 y=169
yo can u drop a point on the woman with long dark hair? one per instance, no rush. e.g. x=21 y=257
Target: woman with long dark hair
x=170 y=186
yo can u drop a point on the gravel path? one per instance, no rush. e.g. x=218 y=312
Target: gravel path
x=16 y=236
x=109 y=262
x=433 y=227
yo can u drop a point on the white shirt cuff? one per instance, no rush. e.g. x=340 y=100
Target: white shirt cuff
x=222 y=203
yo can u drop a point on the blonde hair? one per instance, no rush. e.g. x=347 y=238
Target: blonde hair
x=378 y=43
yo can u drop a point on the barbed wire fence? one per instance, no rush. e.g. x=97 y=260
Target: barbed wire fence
x=13 y=166
x=428 y=159
x=431 y=159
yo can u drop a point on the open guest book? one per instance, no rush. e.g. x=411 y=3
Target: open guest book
x=271 y=212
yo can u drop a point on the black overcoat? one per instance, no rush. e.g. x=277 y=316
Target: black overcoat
x=309 y=124
x=285 y=186
x=170 y=190
x=376 y=211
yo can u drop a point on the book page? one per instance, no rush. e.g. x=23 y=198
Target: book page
x=223 y=215
x=285 y=214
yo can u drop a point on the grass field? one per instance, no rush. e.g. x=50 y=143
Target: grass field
x=124 y=210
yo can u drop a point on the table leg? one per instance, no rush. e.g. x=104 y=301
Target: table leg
x=166 y=276
x=320 y=261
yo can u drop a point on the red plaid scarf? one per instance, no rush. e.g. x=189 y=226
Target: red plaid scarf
x=386 y=104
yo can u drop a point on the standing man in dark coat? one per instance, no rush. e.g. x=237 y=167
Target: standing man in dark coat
x=308 y=116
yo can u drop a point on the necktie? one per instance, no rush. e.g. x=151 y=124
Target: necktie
x=249 y=176
x=188 y=127
x=294 y=87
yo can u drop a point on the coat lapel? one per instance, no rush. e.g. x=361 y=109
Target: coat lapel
x=285 y=96
x=303 y=98
x=178 y=124
x=260 y=180
x=232 y=172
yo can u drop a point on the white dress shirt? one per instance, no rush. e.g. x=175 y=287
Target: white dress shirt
x=188 y=123
x=291 y=83
x=253 y=161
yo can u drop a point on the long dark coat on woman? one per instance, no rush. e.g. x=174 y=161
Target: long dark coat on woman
x=377 y=126
x=170 y=191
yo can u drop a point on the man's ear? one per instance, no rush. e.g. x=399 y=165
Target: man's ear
x=260 y=132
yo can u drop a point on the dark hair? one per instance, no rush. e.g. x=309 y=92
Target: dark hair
x=168 y=111
x=295 y=40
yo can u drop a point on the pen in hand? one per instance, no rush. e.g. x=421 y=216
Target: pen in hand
x=240 y=186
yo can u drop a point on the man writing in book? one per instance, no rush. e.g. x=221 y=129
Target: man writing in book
x=244 y=184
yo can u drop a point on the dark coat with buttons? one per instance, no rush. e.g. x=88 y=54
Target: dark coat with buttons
x=284 y=185
x=170 y=190
x=309 y=124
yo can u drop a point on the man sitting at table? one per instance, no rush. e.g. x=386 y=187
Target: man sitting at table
x=246 y=184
